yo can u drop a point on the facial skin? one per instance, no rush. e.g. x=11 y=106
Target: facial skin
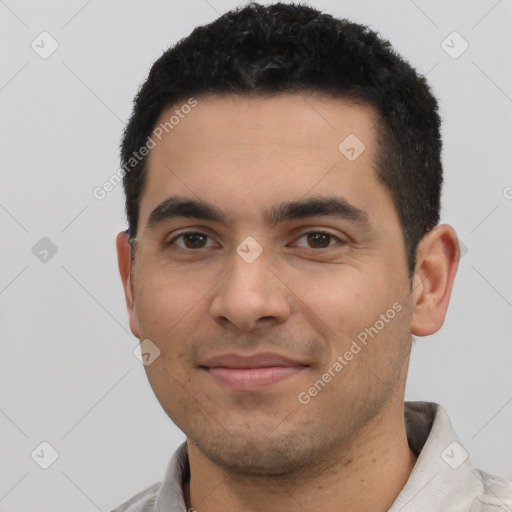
x=303 y=298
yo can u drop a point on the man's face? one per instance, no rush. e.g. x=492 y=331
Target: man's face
x=321 y=282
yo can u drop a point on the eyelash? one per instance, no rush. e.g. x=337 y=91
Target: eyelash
x=181 y=235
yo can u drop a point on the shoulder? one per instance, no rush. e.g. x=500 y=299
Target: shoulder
x=497 y=492
x=144 y=501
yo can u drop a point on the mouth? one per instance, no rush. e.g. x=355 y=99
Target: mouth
x=251 y=373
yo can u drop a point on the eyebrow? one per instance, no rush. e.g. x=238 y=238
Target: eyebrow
x=332 y=206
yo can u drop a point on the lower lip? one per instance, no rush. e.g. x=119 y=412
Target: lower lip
x=248 y=379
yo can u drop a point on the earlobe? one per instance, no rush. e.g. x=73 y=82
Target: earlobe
x=437 y=261
x=124 y=261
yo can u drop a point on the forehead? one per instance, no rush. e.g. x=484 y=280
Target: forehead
x=258 y=150
x=298 y=119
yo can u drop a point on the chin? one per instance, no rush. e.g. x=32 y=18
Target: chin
x=263 y=455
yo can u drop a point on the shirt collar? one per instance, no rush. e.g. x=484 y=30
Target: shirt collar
x=443 y=477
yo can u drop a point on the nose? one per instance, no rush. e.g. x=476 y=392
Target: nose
x=251 y=296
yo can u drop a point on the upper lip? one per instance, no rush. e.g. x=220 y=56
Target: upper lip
x=262 y=360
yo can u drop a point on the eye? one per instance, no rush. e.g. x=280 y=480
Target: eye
x=196 y=240
x=320 y=239
x=191 y=240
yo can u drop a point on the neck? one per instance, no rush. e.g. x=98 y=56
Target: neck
x=368 y=474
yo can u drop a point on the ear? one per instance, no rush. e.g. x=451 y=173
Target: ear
x=437 y=257
x=124 y=261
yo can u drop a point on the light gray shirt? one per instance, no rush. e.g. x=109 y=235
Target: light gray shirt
x=443 y=479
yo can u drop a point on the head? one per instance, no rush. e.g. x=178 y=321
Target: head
x=282 y=180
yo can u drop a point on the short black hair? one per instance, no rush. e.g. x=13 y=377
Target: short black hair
x=285 y=48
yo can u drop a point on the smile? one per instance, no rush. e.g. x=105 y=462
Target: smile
x=256 y=372
x=249 y=379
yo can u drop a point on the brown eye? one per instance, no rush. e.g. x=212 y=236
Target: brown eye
x=191 y=240
x=320 y=239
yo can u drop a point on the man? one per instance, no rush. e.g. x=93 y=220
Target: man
x=282 y=180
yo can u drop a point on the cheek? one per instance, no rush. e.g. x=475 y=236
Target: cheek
x=334 y=304
x=164 y=303
x=353 y=300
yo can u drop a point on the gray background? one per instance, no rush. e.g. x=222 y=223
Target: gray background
x=68 y=375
